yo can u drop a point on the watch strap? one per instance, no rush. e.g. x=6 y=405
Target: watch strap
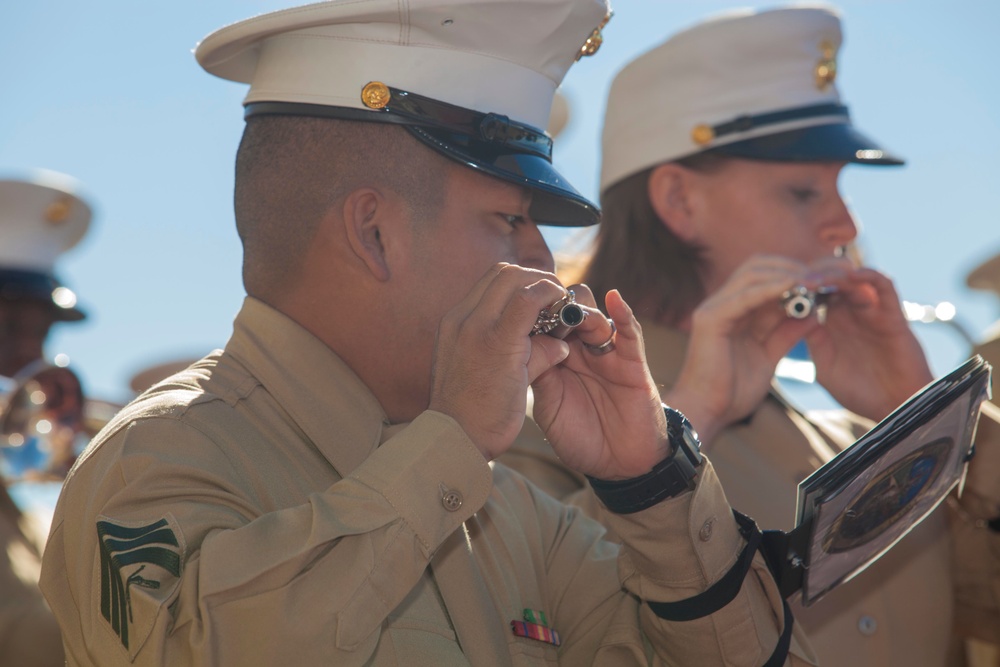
x=669 y=478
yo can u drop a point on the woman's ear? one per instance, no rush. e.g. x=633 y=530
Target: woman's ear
x=365 y=213
x=669 y=194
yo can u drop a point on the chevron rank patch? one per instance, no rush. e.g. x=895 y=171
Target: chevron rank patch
x=140 y=567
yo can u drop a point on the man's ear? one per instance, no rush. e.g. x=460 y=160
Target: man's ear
x=669 y=193
x=365 y=211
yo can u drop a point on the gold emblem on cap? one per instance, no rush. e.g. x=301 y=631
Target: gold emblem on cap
x=58 y=211
x=702 y=134
x=826 y=68
x=595 y=40
x=375 y=95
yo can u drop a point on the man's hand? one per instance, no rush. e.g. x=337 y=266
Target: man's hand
x=602 y=412
x=484 y=358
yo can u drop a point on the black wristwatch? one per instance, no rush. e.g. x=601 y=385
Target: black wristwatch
x=669 y=478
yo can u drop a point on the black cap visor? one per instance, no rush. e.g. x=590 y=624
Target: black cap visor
x=21 y=285
x=554 y=201
x=839 y=142
x=491 y=143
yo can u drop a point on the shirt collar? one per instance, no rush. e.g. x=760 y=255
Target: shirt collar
x=324 y=397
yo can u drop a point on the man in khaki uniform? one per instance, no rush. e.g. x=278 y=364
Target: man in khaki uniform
x=319 y=492
x=41 y=217
x=728 y=186
x=986 y=277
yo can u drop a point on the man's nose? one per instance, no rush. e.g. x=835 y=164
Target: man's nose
x=533 y=251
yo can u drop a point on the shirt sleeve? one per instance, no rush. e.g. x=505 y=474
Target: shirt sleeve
x=161 y=555
x=681 y=547
x=667 y=555
x=696 y=529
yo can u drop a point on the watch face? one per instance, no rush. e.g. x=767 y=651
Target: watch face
x=694 y=445
x=682 y=435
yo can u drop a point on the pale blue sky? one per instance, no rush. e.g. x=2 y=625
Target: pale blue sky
x=108 y=92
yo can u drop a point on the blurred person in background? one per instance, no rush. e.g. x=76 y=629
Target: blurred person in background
x=41 y=217
x=986 y=277
x=722 y=149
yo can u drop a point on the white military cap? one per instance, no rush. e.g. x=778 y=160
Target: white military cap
x=150 y=375
x=986 y=276
x=752 y=84
x=41 y=217
x=473 y=79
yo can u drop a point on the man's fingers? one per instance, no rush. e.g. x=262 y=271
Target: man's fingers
x=546 y=352
x=509 y=298
x=628 y=337
x=521 y=307
x=475 y=295
x=584 y=295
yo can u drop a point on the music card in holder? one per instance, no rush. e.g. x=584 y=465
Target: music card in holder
x=863 y=501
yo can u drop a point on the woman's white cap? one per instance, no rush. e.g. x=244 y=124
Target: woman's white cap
x=752 y=84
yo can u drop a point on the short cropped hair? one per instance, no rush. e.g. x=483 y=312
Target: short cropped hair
x=291 y=169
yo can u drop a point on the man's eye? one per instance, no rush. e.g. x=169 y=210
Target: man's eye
x=804 y=194
x=512 y=220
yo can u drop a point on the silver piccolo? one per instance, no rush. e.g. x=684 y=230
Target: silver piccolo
x=800 y=301
x=558 y=319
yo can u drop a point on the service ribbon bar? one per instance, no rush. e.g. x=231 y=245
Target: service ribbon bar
x=536 y=631
x=532 y=616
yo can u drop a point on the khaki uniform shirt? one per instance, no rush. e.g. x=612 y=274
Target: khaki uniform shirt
x=257 y=509
x=976 y=549
x=897 y=612
x=29 y=634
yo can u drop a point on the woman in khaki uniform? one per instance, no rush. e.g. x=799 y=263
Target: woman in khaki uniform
x=320 y=491
x=733 y=181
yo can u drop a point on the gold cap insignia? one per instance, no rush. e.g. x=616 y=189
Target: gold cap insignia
x=375 y=95
x=826 y=68
x=595 y=40
x=58 y=211
x=702 y=134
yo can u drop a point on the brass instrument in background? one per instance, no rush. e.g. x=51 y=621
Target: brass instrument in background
x=45 y=422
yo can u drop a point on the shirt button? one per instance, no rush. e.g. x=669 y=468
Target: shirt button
x=867 y=625
x=705 y=534
x=451 y=500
